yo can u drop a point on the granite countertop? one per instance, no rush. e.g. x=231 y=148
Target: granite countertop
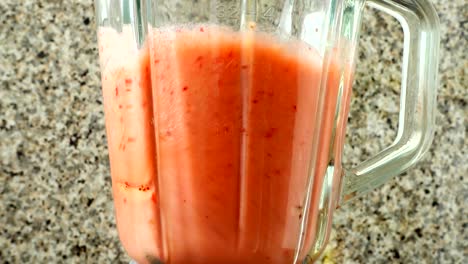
x=55 y=192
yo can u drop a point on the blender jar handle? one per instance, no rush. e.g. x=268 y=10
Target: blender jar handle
x=417 y=102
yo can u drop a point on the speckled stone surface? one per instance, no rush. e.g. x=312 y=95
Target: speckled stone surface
x=55 y=200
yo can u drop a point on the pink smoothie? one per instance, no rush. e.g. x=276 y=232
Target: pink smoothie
x=210 y=138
